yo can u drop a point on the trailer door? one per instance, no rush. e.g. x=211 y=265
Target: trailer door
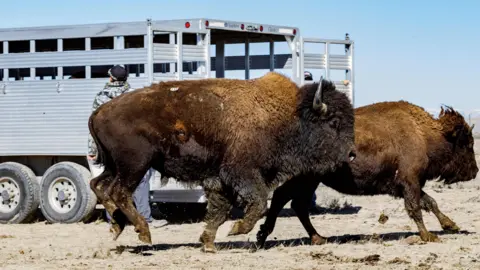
x=328 y=62
x=168 y=52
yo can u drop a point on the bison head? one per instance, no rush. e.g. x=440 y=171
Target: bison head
x=460 y=164
x=330 y=113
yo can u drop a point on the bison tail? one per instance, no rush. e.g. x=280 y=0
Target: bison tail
x=102 y=156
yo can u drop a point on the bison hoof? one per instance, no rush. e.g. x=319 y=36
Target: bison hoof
x=429 y=237
x=238 y=228
x=261 y=237
x=145 y=237
x=116 y=230
x=207 y=240
x=450 y=227
x=209 y=249
x=261 y=242
x=318 y=240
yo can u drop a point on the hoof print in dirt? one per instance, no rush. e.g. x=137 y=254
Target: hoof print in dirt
x=329 y=256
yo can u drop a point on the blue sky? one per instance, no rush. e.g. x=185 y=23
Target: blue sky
x=426 y=52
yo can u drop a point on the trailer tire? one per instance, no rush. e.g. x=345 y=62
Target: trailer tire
x=65 y=194
x=18 y=180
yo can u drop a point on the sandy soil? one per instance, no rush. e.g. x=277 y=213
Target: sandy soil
x=357 y=240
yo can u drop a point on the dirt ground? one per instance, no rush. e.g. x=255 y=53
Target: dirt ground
x=357 y=240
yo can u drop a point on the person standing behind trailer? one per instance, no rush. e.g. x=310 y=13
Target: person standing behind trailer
x=313 y=206
x=116 y=86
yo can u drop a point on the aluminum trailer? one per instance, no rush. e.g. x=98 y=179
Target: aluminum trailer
x=50 y=76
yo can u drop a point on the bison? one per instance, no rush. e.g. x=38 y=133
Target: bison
x=399 y=147
x=236 y=138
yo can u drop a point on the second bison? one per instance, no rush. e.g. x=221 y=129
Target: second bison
x=399 y=147
x=236 y=138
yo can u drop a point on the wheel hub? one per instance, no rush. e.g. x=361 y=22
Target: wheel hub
x=62 y=194
x=10 y=195
x=5 y=196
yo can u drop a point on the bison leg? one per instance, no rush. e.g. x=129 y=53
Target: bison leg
x=301 y=193
x=218 y=208
x=412 y=195
x=255 y=199
x=430 y=205
x=118 y=219
x=300 y=204
x=122 y=196
x=280 y=197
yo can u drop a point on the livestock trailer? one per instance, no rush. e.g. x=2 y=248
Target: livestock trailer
x=50 y=76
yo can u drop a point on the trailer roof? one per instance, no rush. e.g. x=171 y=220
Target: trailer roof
x=105 y=29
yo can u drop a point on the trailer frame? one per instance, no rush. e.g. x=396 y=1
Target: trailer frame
x=43 y=130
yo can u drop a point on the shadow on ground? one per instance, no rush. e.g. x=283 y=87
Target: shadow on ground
x=146 y=250
x=180 y=213
x=194 y=213
x=347 y=210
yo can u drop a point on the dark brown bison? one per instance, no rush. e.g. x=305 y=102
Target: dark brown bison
x=399 y=147
x=236 y=138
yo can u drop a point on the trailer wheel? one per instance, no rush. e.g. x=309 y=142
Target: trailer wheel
x=65 y=193
x=19 y=193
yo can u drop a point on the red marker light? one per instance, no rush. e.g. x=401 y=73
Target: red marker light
x=294 y=31
x=207 y=23
x=261 y=28
x=242 y=26
x=187 y=24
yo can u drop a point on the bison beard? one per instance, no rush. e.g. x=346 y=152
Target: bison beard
x=236 y=138
x=399 y=147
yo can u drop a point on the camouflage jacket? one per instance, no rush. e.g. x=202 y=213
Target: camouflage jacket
x=110 y=91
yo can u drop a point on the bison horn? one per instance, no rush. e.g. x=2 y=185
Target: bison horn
x=317 y=100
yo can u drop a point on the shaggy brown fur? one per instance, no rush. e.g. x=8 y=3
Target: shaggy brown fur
x=399 y=147
x=236 y=138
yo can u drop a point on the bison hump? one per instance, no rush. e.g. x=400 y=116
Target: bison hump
x=239 y=113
